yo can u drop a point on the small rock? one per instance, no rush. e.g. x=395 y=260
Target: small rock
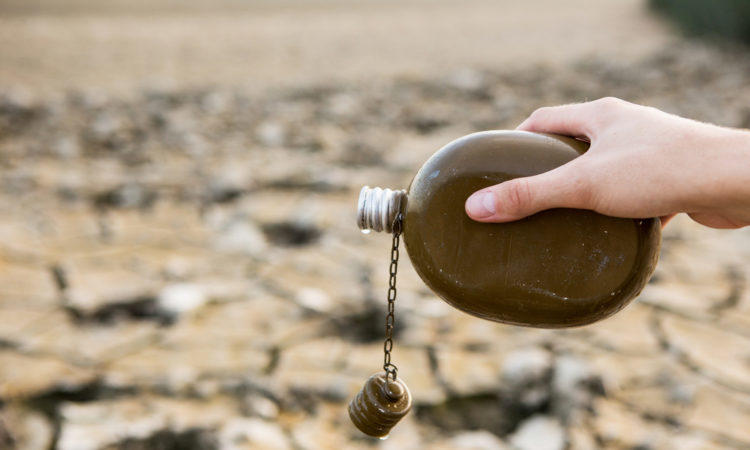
x=271 y=134
x=539 y=433
x=181 y=297
x=526 y=376
x=105 y=125
x=314 y=299
x=476 y=440
x=573 y=384
x=229 y=182
x=216 y=102
x=342 y=105
x=522 y=366
x=85 y=428
x=467 y=80
x=263 y=407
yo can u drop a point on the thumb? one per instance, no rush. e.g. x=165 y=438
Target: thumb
x=522 y=197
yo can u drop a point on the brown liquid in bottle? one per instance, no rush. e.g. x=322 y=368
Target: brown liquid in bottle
x=557 y=268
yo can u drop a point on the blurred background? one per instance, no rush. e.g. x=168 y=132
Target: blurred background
x=179 y=262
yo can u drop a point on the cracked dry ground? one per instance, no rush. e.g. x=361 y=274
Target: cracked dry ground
x=182 y=270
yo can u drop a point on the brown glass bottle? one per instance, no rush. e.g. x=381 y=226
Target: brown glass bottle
x=557 y=268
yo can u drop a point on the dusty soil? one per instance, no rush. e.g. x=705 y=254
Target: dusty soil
x=179 y=264
x=259 y=44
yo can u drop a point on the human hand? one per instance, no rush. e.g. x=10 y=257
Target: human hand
x=642 y=163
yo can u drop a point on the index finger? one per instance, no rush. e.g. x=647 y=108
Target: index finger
x=575 y=119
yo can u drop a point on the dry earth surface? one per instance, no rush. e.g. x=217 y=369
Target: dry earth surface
x=179 y=265
x=122 y=45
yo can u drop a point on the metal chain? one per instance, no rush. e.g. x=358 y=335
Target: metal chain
x=390 y=368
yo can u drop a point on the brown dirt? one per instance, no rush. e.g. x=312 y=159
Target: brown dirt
x=260 y=44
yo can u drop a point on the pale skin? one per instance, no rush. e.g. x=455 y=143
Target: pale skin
x=642 y=163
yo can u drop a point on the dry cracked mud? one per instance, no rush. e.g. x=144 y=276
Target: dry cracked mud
x=181 y=269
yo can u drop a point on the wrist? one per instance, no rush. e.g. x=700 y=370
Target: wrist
x=727 y=173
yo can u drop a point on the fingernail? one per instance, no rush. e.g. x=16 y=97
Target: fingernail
x=481 y=205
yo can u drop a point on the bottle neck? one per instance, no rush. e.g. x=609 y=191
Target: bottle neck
x=378 y=208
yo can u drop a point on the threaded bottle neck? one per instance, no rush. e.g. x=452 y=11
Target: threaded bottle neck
x=378 y=208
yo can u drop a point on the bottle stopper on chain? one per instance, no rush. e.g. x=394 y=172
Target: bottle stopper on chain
x=384 y=399
x=380 y=404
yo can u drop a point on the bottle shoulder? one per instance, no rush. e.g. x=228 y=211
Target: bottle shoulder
x=503 y=153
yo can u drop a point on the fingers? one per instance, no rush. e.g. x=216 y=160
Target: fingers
x=579 y=119
x=521 y=197
x=716 y=220
x=564 y=187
